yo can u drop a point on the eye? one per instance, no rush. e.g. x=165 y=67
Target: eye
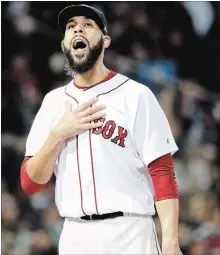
x=70 y=26
x=88 y=24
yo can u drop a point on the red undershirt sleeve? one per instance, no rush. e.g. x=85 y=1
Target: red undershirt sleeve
x=163 y=178
x=27 y=184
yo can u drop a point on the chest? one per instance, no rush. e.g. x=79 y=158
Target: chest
x=114 y=129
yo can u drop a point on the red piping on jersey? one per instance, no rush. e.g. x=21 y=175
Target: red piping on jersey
x=108 y=77
x=77 y=156
x=93 y=174
x=71 y=96
x=113 y=89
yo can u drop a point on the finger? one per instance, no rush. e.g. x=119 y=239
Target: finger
x=87 y=104
x=95 y=116
x=68 y=106
x=92 y=125
x=93 y=109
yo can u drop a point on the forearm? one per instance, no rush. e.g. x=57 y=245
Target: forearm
x=166 y=196
x=168 y=212
x=41 y=166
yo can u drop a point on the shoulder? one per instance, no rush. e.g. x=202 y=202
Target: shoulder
x=56 y=96
x=55 y=93
x=53 y=100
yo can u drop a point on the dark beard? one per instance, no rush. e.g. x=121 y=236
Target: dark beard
x=71 y=67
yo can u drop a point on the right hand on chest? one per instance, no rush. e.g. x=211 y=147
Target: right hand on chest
x=76 y=122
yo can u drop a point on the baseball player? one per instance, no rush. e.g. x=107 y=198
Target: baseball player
x=109 y=144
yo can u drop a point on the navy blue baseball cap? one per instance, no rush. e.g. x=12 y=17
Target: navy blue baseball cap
x=82 y=10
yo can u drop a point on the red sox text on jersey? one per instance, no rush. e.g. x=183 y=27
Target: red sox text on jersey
x=108 y=130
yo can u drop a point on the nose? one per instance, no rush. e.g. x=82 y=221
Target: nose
x=78 y=29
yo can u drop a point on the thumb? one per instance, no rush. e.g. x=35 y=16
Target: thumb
x=68 y=106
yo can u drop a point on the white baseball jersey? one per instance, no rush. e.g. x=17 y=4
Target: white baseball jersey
x=105 y=170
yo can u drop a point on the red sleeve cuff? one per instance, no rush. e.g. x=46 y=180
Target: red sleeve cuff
x=29 y=186
x=163 y=178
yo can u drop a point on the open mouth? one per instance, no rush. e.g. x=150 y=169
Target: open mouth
x=79 y=44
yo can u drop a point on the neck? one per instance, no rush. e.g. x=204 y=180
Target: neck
x=97 y=74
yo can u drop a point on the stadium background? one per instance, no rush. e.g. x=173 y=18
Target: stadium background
x=172 y=47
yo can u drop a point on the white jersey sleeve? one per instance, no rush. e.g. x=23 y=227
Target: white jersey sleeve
x=152 y=132
x=40 y=129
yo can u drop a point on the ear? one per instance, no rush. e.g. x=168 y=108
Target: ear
x=107 y=41
x=62 y=46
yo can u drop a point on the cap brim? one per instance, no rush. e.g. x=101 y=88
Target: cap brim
x=78 y=10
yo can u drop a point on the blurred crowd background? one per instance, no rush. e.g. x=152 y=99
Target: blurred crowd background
x=172 y=47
